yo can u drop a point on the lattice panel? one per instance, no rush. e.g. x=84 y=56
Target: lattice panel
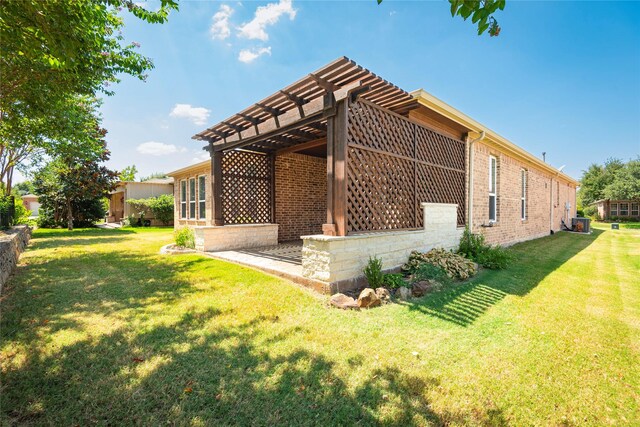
x=246 y=188
x=438 y=185
x=394 y=165
x=438 y=149
x=380 y=192
x=375 y=128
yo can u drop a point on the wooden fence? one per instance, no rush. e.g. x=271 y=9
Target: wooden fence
x=394 y=165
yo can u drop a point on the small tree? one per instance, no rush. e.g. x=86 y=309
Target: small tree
x=128 y=173
x=160 y=207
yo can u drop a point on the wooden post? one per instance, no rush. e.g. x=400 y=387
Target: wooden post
x=216 y=187
x=329 y=228
x=340 y=169
x=272 y=166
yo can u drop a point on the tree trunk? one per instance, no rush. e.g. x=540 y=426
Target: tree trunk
x=69 y=215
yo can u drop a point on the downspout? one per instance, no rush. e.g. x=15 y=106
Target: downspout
x=470 y=198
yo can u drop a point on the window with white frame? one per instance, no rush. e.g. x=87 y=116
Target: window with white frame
x=183 y=199
x=523 y=194
x=493 y=171
x=614 y=209
x=624 y=209
x=202 y=209
x=192 y=198
x=634 y=209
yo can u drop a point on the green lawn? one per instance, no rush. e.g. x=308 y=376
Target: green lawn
x=97 y=328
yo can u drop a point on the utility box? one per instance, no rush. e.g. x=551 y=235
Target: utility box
x=615 y=226
x=582 y=225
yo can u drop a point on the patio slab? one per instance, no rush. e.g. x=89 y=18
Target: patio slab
x=282 y=260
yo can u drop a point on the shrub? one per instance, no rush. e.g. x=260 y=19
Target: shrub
x=373 y=272
x=428 y=271
x=394 y=281
x=495 y=257
x=160 y=207
x=456 y=266
x=580 y=213
x=184 y=238
x=471 y=244
x=590 y=212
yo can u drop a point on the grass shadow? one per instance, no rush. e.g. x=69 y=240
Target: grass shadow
x=534 y=260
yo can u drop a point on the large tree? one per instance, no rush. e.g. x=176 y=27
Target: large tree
x=71 y=188
x=612 y=179
x=626 y=185
x=53 y=55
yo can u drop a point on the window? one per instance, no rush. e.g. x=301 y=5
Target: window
x=614 y=209
x=492 y=188
x=183 y=199
x=523 y=194
x=624 y=209
x=202 y=209
x=192 y=198
x=634 y=209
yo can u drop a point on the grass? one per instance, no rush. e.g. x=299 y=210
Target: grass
x=97 y=328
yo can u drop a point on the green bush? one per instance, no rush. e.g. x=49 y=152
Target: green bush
x=580 y=213
x=184 y=238
x=373 y=272
x=160 y=207
x=428 y=271
x=471 y=245
x=590 y=212
x=21 y=214
x=456 y=266
x=394 y=281
x=495 y=257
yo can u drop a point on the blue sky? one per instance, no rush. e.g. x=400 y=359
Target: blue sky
x=562 y=77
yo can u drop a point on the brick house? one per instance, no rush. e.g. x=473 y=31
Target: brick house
x=355 y=166
x=119 y=209
x=615 y=209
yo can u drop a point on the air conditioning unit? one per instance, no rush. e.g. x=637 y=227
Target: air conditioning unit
x=586 y=224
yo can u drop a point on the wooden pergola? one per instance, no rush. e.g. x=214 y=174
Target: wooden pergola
x=380 y=164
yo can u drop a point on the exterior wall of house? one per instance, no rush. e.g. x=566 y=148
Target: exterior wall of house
x=616 y=209
x=543 y=192
x=301 y=195
x=203 y=169
x=30 y=202
x=341 y=259
x=603 y=209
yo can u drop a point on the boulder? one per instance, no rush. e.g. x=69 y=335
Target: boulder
x=403 y=293
x=368 y=299
x=424 y=287
x=384 y=295
x=343 y=301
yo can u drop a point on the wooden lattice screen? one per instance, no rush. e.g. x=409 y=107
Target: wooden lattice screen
x=246 y=188
x=394 y=165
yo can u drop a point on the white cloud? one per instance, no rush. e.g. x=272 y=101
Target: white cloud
x=198 y=115
x=220 y=29
x=154 y=148
x=201 y=157
x=249 y=55
x=265 y=16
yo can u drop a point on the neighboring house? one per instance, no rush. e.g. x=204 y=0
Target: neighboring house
x=356 y=167
x=614 y=209
x=119 y=209
x=30 y=201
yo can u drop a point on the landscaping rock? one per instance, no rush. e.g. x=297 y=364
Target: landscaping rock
x=403 y=293
x=343 y=301
x=424 y=287
x=368 y=299
x=384 y=295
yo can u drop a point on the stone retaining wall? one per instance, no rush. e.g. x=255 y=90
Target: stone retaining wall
x=231 y=237
x=340 y=260
x=12 y=243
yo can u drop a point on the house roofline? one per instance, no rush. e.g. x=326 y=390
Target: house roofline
x=188 y=168
x=427 y=100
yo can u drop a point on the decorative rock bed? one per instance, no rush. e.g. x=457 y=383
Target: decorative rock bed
x=370 y=298
x=173 y=249
x=12 y=243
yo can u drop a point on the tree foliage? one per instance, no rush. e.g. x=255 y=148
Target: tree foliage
x=128 y=173
x=71 y=188
x=481 y=13
x=56 y=56
x=613 y=180
x=161 y=207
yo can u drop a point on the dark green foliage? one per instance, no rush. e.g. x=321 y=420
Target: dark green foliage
x=474 y=247
x=428 y=271
x=591 y=212
x=580 y=213
x=373 y=272
x=394 y=281
x=22 y=188
x=86 y=212
x=613 y=180
x=184 y=238
x=456 y=266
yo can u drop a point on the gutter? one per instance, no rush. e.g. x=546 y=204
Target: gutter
x=470 y=196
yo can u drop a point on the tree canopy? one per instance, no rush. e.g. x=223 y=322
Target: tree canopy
x=612 y=180
x=128 y=173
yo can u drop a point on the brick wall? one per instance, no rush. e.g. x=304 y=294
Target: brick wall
x=543 y=189
x=301 y=195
